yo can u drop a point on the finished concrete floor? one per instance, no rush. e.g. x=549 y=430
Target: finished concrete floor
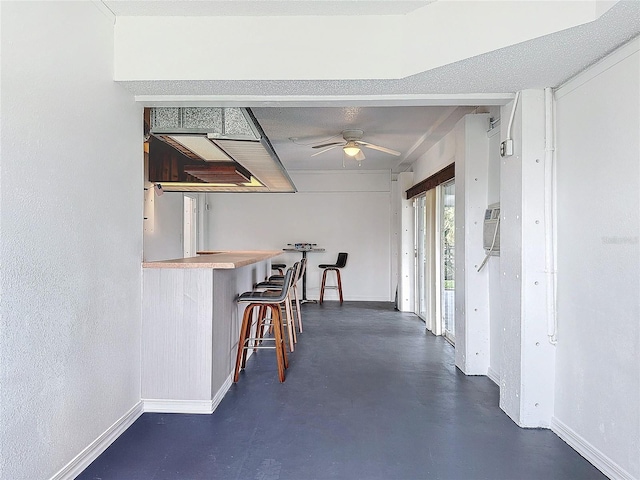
x=369 y=395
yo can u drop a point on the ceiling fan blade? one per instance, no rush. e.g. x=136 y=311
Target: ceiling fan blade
x=326 y=149
x=327 y=144
x=360 y=156
x=381 y=149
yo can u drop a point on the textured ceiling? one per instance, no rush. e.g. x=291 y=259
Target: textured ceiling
x=543 y=62
x=410 y=130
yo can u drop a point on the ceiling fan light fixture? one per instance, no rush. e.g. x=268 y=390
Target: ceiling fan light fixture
x=351 y=149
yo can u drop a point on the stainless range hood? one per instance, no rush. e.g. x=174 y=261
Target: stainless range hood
x=217 y=149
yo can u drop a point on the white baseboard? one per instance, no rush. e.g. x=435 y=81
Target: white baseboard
x=493 y=375
x=205 y=407
x=99 y=445
x=591 y=453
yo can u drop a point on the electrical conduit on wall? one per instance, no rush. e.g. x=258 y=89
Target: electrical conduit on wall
x=549 y=215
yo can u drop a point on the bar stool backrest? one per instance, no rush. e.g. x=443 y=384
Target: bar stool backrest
x=303 y=267
x=286 y=285
x=342 y=259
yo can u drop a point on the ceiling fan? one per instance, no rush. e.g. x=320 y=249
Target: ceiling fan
x=352 y=144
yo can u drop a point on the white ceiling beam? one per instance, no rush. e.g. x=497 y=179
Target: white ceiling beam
x=331 y=47
x=420 y=100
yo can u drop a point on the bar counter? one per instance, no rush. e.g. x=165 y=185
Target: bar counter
x=191 y=324
x=217 y=259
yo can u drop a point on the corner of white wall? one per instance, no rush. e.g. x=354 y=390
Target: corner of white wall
x=406 y=238
x=472 y=327
x=528 y=372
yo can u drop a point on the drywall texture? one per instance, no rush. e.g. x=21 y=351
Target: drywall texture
x=472 y=287
x=598 y=178
x=526 y=372
x=340 y=211
x=71 y=201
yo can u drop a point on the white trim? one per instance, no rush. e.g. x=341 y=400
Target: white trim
x=426 y=100
x=598 y=459
x=205 y=407
x=493 y=375
x=72 y=469
x=222 y=391
x=598 y=68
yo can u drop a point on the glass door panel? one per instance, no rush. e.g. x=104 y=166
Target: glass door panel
x=447 y=268
x=420 y=257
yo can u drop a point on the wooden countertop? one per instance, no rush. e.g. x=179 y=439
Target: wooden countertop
x=216 y=260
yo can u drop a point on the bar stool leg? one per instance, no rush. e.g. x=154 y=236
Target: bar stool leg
x=245 y=350
x=295 y=293
x=281 y=353
x=262 y=314
x=339 y=284
x=290 y=328
x=243 y=338
x=324 y=280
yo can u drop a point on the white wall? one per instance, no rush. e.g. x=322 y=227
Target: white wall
x=528 y=358
x=471 y=287
x=403 y=44
x=493 y=264
x=71 y=200
x=405 y=243
x=468 y=146
x=165 y=241
x=340 y=211
x=598 y=178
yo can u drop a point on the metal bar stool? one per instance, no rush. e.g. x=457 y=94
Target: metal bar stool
x=271 y=300
x=340 y=263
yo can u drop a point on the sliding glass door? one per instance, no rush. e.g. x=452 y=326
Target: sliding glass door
x=447 y=258
x=435 y=259
x=420 y=257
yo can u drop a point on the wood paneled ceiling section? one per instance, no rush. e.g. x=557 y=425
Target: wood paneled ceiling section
x=167 y=163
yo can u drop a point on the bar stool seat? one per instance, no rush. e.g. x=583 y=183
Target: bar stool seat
x=279 y=267
x=333 y=267
x=271 y=300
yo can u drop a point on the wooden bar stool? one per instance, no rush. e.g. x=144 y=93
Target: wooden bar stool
x=271 y=300
x=275 y=282
x=340 y=263
x=295 y=301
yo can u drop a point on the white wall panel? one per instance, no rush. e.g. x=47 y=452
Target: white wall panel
x=598 y=175
x=401 y=46
x=527 y=368
x=357 y=222
x=165 y=241
x=406 y=247
x=472 y=287
x=493 y=265
x=71 y=217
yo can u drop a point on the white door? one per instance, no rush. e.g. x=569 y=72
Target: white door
x=190 y=223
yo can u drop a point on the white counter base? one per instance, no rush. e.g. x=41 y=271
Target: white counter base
x=190 y=330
